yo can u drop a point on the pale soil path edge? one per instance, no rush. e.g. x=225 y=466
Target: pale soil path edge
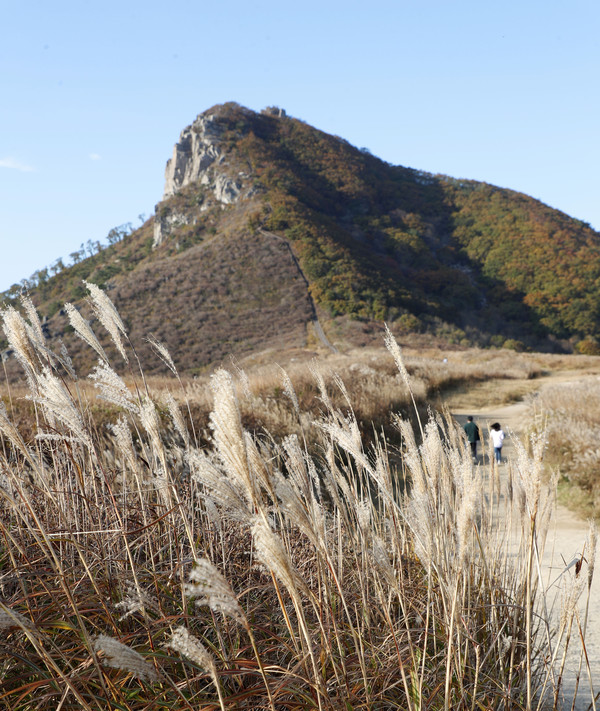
x=565 y=541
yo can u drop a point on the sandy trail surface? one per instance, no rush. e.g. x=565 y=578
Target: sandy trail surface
x=565 y=542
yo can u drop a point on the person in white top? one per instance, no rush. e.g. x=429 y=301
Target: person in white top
x=497 y=436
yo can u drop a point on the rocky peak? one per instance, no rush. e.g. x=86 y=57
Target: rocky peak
x=196 y=157
x=199 y=157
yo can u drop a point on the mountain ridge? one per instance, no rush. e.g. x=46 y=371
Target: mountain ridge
x=268 y=225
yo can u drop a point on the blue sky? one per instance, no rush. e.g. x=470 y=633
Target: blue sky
x=95 y=94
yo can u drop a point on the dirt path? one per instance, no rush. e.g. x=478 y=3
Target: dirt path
x=566 y=537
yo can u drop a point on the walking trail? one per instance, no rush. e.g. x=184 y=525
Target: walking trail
x=565 y=542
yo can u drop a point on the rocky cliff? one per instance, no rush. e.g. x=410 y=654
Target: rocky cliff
x=199 y=157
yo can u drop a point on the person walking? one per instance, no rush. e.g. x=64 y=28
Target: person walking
x=497 y=436
x=472 y=431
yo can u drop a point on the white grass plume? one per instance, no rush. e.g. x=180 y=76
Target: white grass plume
x=84 y=331
x=177 y=418
x=161 y=350
x=288 y=389
x=124 y=443
x=529 y=470
x=272 y=554
x=17 y=334
x=117 y=655
x=108 y=316
x=192 y=648
x=150 y=422
x=226 y=424
x=112 y=387
x=318 y=376
x=208 y=585
x=346 y=433
x=38 y=340
x=66 y=361
x=306 y=514
x=393 y=347
x=381 y=560
x=33 y=317
x=58 y=405
x=137 y=600
x=228 y=494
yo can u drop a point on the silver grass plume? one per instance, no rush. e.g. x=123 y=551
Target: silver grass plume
x=226 y=424
x=431 y=452
x=137 y=600
x=119 y=656
x=58 y=405
x=191 y=647
x=346 y=433
x=342 y=388
x=208 y=585
x=271 y=553
x=34 y=329
x=318 y=376
x=161 y=350
x=411 y=455
x=298 y=511
x=18 y=337
x=124 y=443
x=66 y=361
x=296 y=464
x=288 y=390
x=363 y=515
x=222 y=490
x=257 y=463
x=421 y=519
x=530 y=471
x=467 y=506
x=84 y=331
x=212 y=513
x=338 y=480
x=177 y=418
x=150 y=422
x=393 y=347
x=108 y=316
x=382 y=561
x=571 y=591
x=33 y=317
x=112 y=387
x=243 y=378
x=381 y=474
x=330 y=481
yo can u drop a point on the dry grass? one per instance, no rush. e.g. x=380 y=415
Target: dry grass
x=571 y=414
x=146 y=569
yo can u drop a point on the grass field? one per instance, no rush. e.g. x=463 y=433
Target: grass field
x=255 y=541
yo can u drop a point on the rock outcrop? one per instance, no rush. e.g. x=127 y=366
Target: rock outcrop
x=199 y=157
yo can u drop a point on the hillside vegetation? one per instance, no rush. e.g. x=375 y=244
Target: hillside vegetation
x=327 y=230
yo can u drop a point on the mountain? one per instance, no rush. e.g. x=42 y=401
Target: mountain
x=273 y=234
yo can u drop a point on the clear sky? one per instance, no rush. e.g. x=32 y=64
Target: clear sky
x=95 y=94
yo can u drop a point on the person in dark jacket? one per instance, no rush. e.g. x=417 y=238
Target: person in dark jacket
x=472 y=432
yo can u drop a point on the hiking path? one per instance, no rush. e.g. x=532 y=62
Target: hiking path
x=567 y=533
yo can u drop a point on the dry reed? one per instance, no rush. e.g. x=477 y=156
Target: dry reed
x=284 y=573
